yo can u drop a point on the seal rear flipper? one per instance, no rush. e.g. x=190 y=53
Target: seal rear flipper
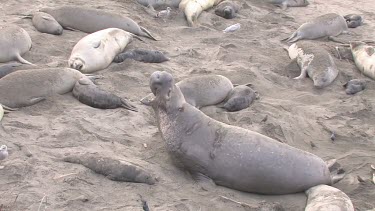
x=24 y=61
x=204 y=181
x=146 y=33
x=128 y=105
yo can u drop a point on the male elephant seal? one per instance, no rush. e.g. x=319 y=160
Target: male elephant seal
x=8 y=68
x=96 y=51
x=353 y=86
x=14 y=42
x=90 y=94
x=330 y=24
x=193 y=8
x=200 y=91
x=227 y=9
x=142 y=55
x=327 y=198
x=364 y=58
x=227 y=155
x=28 y=87
x=92 y=20
x=353 y=20
x=45 y=23
x=284 y=4
x=240 y=98
x=315 y=62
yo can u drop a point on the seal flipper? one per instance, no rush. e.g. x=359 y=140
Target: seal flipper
x=24 y=61
x=293 y=38
x=35 y=100
x=205 y=182
x=148 y=99
x=128 y=105
x=146 y=33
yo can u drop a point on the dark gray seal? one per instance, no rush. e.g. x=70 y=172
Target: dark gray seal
x=240 y=98
x=90 y=94
x=353 y=20
x=45 y=23
x=8 y=68
x=227 y=9
x=355 y=85
x=142 y=55
x=227 y=155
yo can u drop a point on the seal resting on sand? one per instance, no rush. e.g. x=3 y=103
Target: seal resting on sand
x=193 y=8
x=284 y=4
x=330 y=24
x=364 y=58
x=353 y=20
x=227 y=155
x=159 y=3
x=96 y=51
x=142 y=55
x=240 y=98
x=327 y=198
x=92 y=20
x=28 y=87
x=315 y=62
x=355 y=85
x=45 y=23
x=14 y=42
x=227 y=9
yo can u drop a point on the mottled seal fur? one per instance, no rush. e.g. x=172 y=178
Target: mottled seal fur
x=330 y=24
x=353 y=20
x=240 y=98
x=92 y=20
x=96 y=51
x=355 y=85
x=142 y=55
x=45 y=23
x=14 y=42
x=315 y=62
x=227 y=155
x=8 y=68
x=227 y=9
x=28 y=87
x=327 y=198
x=193 y=8
x=284 y=4
x=364 y=58
x=90 y=94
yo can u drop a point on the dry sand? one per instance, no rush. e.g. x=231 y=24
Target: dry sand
x=289 y=111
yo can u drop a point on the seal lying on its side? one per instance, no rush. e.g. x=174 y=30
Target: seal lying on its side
x=142 y=55
x=45 y=23
x=228 y=155
x=364 y=58
x=8 y=68
x=14 y=42
x=90 y=94
x=93 y=20
x=193 y=8
x=284 y=4
x=227 y=9
x=327 y=198
x=330 y=24
x=315 y=62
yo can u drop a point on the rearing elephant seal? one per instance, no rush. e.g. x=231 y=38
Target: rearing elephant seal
x=327 y=198
x=14 y=42
x=45 y=23
x=230 y=156
x=93 y=20
x=193 y=8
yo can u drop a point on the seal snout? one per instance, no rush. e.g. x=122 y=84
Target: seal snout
x=160 y=80
x=227 y=12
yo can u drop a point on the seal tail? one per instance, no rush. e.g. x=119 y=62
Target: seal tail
x=127 y=105
x=24 y=61
x=146 y=33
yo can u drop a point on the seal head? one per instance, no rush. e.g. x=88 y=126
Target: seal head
x=76 y=63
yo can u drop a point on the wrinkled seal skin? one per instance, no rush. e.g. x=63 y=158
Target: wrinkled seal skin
x=160 y=3
x=113 y=169
x=327 y=198
x=93 y=20
x=142 y=55
x=354 y=86
x=228 y=155
x=45 y=23
x=330 y=24
x=240 y=98
x=90 y=94
x=227 y=9
x=353 y=20
x=314 y=61
x=14 y=42
x=8 y=68
x=284 y=4
x=96 y=51
x=193 y=8
x=364 y=58
x=28 y=87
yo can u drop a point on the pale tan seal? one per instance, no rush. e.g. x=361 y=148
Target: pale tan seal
x=96 y=51
x=45 y=23
x=193 y=8
x=327 y=198
x=364 y=58
x=14 y=42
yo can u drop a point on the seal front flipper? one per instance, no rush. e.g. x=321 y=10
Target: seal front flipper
x=35 y=100
x=205 y=182
x=148 y=99
x=24 y=61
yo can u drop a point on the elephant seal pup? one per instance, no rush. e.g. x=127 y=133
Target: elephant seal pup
x=284 y=4
x=355 y=85
x=353 y=20
x=330 y=24
x=14 y=42
x=142 y=55
x=240 y=98
x=212 y=151
x=193 y=8
x=45 y=23
x=96 y=51
x=314 y=61
x=28 y=87
x=200 y=91
x=327 y=198
x=364 y=58
x=93 y=20
x=227 y=9
x=159 y=3
x=8 y=68
x=90 y=94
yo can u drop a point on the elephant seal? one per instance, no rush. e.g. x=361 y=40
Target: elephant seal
x=353 y=20
x=355 y=85
x=90 y=94
x=240 y=98
x=96 y=51
x=45 y=23
x=14 y=42
x=284 y=4
x=92 y=20
x=330 y=24
x=160 y=3
x=327 y=198
x=364 y=58
x=227 y=155
x=315 y=62
x=28 y=87
x=227 y=9
x=193 y=8
x=8 y=68
x=142 y=55
x=200 y=91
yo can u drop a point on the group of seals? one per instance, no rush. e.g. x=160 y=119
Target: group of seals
x=193 y=8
